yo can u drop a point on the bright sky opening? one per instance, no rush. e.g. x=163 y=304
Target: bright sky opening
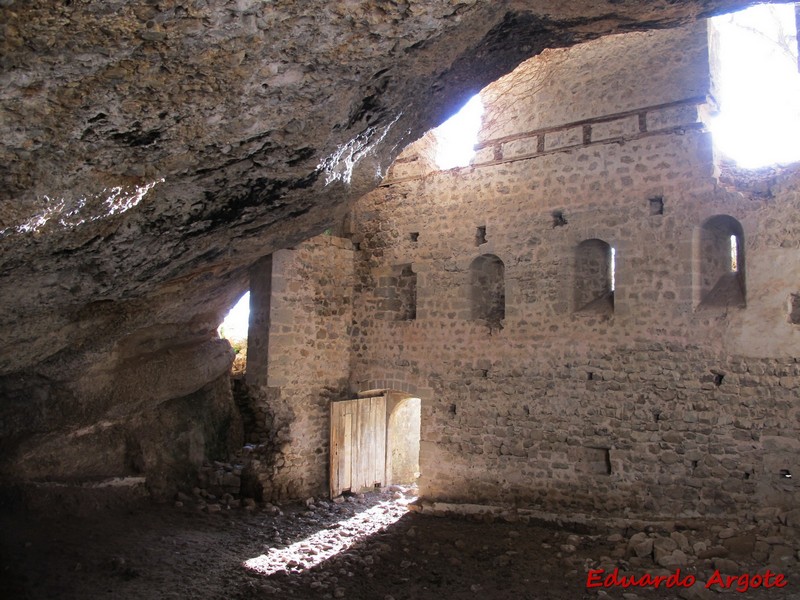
x=456 y=137
x=234 y=327
x=759 y=120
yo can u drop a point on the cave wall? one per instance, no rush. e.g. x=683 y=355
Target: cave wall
x=649 y=404
x=157 y=412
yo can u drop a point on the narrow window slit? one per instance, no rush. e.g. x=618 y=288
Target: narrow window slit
x=480 y=235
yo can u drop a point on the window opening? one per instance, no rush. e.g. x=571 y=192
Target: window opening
x=234 y=329
x=758 y=86
x=721 y=263
x=613 y=269
x=595 y=276
x=656 y=205
x=559 y=220
x=480 y=235
x=456 y=137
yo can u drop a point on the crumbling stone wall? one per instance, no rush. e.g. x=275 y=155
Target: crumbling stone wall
x=654 y=408
x=300 y=325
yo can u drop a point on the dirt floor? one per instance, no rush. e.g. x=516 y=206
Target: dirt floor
x=369 y=547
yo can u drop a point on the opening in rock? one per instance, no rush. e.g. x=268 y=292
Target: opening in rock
x=758 y=86
x=234 y=329
x=456 y=137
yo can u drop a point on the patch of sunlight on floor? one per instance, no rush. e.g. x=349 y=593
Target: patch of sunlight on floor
x=456 y=137
x=326 y=544
x=759 y=86
x=235 y=324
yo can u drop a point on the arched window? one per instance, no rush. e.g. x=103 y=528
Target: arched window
x=594 y=276
x=721 y=262
x=488 y=289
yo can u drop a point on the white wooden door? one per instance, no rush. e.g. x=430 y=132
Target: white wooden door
x=358 y=444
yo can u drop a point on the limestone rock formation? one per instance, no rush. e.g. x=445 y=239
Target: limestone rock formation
x=152 y=150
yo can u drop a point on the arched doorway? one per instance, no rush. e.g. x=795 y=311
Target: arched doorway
x=402 y=438
x=374 y=441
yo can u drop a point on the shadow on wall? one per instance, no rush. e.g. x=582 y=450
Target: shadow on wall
x=487 y=290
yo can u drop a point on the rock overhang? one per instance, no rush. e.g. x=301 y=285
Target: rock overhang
x=154 y=150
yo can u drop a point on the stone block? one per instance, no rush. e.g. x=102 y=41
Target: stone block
x=674 y=116
x=663 y=547
x=563 y=138
x=484 y=155
x=625 y=127
x=640 y=545
x=521 y=147
x=673 y=560
x=681 y=540
x=740 y=545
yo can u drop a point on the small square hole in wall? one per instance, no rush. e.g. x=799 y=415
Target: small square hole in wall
x=656 y=205
x=414 y=236
x=480 y=235
x=794 y=309
x=559 y=220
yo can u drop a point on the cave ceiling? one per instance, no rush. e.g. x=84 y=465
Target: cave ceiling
x=152 y=150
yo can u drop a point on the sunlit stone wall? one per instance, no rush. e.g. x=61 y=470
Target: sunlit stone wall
x=651 y=406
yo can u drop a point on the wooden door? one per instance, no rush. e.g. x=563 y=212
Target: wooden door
x=358 y=444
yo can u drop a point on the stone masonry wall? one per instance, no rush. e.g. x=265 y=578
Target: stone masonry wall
x=305 y=343
x=652 y=407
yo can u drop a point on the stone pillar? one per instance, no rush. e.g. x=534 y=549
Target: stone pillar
x=258 y=330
